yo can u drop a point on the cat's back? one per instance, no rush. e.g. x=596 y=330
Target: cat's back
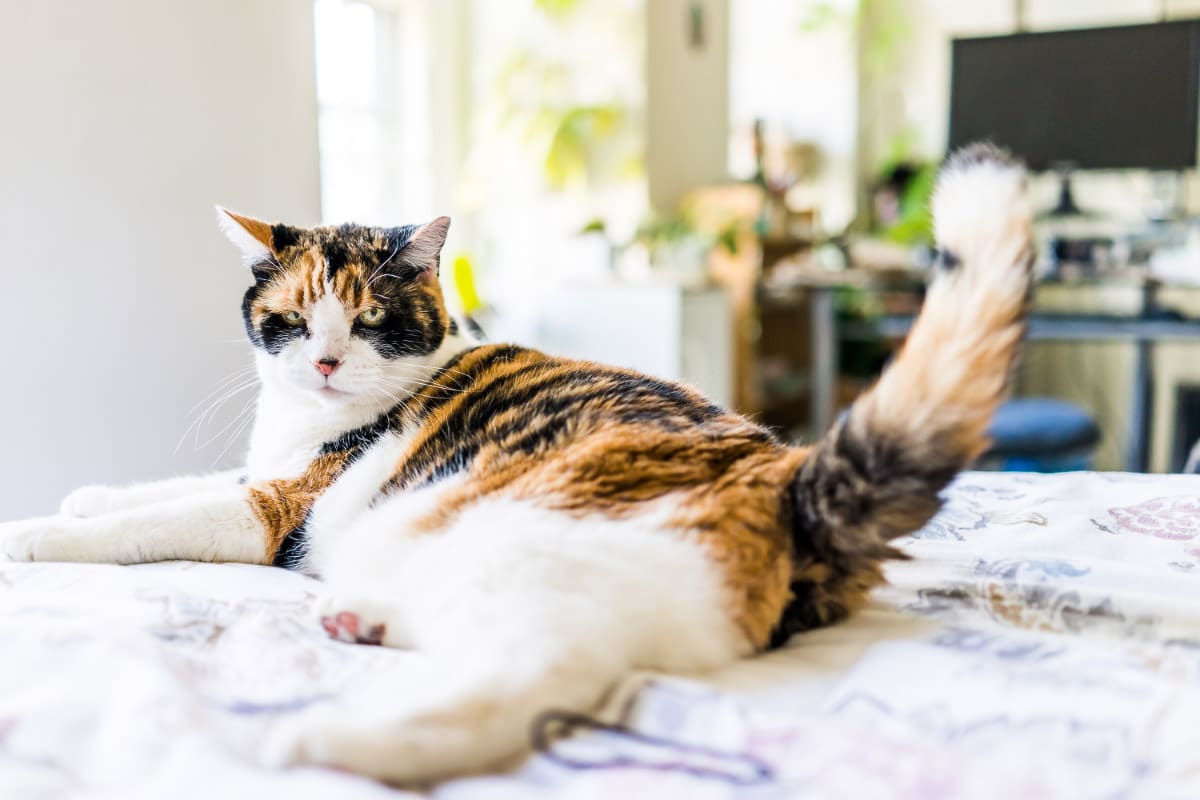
x=515 y=404
x=603 y=442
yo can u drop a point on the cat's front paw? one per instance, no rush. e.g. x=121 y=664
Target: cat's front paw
x=15 y=541
x=44 y=539
x=91 y=501
x=19 y=540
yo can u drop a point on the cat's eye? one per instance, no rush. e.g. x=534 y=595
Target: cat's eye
x=293 y=318
x=372 y=317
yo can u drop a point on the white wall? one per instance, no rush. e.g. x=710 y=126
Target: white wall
x=121 y=123
x=687 y=99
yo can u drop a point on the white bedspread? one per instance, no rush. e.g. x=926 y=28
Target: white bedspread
x=1043 y=643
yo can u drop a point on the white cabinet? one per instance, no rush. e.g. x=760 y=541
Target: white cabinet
x=680 y=333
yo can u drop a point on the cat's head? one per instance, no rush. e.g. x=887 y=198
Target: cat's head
x=343 y=314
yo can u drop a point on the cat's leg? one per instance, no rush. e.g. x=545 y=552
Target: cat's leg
x=520 y=611
x=229 y=522
x=472 y=711
x=91 y=501
x=217 y=525
x=354 y=548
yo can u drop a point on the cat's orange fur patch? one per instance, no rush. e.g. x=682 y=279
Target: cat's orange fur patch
x=281 y=506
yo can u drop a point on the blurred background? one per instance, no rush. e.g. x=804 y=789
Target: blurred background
x=733 y=193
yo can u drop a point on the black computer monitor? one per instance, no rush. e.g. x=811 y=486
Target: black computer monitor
x=1103 y=98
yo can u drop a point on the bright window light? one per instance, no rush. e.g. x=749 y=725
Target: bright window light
x=374 y=111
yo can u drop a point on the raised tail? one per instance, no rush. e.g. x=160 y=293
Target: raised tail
x=878 y=472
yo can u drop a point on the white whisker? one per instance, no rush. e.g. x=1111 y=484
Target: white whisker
x=375 y=273
x=236 y=434
x=205 y=416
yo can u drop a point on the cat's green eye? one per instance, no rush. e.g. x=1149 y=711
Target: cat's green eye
x=293 y=318
x=372 y=317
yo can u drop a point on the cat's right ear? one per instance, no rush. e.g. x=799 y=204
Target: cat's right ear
x=253 y=237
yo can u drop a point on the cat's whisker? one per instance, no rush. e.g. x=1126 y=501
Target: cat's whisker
x=246 y=418
x=227 y=426
x=195 y=430
x=200 y=420
x=233 y=437
x=226 y=392
x=229 y=392
x=384 y=263
x=409 y=388
x=397 y=393
x=432 y=368
x=233 y=377
x=426 y=379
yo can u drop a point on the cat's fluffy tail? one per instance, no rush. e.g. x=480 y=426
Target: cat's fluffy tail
x=877 y=473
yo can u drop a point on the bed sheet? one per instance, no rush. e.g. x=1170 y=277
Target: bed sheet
x=1044 y=642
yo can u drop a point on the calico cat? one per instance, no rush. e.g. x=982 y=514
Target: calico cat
x=540 y=526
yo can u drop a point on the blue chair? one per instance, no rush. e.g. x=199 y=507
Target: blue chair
x=1040 y=434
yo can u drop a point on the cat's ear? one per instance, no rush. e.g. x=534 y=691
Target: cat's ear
x=253 y=237
x=425 y=246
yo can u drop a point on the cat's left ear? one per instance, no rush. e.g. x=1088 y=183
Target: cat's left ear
x=424 y=248
x=255 y=238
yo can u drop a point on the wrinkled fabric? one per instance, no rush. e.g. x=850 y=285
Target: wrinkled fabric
x=1044 y=642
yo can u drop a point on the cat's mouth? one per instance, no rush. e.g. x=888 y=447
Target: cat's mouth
x=329 y=391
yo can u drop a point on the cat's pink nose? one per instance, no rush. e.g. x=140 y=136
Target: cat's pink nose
x=327 y=366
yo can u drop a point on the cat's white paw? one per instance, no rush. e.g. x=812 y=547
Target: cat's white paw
x=405 y=744
x=92 y=501
x=359 y=620
x=44 y=539
x=17 y=539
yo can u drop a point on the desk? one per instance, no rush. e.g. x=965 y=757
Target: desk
x=1141 y=331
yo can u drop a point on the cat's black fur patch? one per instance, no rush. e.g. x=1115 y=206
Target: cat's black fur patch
x=283 y=237
x=357 y=441
x=337 y=255
x=290 y=554
x=275 y=334
x=412 y=327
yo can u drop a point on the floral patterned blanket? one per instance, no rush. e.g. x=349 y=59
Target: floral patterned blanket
x=1044 y=642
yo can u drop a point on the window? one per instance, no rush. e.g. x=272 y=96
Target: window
x=373 y=95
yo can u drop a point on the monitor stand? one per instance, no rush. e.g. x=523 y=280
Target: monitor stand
x=1066 y=200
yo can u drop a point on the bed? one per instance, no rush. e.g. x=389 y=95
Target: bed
x=1044 y=642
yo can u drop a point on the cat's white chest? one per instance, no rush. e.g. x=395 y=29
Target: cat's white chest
x=287 y=435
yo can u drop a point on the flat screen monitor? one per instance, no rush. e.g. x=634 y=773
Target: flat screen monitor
x=1104 y=98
